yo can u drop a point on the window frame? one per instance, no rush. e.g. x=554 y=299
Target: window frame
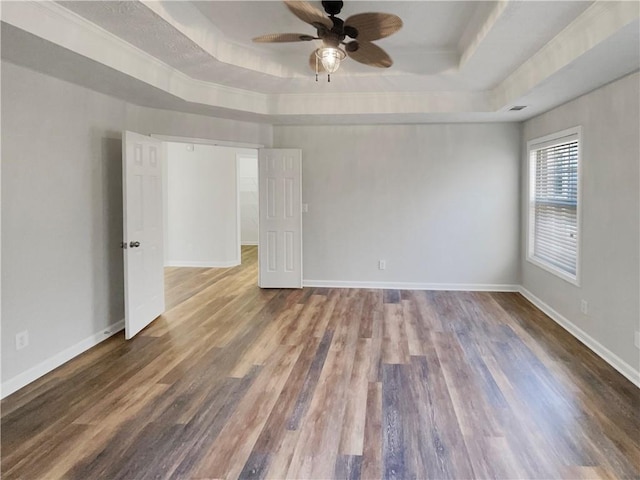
x=537 y=144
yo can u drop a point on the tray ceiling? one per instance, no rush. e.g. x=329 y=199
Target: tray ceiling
x=469 y=61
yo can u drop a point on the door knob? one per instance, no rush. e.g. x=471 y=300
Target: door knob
x=134 y=244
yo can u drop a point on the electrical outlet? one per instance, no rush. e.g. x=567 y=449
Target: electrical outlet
x=382 y=264
x=637 y=338
x=584 y=307
x=22 y=340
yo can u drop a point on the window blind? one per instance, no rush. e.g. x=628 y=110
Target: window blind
x=554 y=204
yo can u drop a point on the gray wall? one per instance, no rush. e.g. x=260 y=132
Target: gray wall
x=610 y=239
x=62 y=273
x=164 y=122
x=438 y=203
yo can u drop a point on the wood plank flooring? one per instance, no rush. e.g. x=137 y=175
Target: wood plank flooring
x=234 y=381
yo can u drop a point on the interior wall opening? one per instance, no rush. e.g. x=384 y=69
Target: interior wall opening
x=210 y=208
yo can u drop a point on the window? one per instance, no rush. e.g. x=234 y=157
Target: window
x=554 y=201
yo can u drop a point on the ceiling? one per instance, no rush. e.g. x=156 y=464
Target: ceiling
x=457 y=61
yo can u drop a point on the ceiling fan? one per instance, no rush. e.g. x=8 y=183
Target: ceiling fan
x=361 y=29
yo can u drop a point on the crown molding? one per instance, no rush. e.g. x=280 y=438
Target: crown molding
x=379 y=103
x=54 y=23
x=481 y=34
x=58 y=25
x=596 y=24
x=202 y=32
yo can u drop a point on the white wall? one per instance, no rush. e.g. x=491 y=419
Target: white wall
x=438 y=203
x=62 y=277
x=610 y=238
x=248 y=183
x=202 y=205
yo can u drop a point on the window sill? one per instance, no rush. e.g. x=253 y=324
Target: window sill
x=554 y=270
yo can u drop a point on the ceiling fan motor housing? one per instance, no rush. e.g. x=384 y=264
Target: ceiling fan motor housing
x=331 y=39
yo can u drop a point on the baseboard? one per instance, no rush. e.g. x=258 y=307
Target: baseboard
x=469 y=287
x=25 y=378
x=179 y=263
x=603 y=352
x=249 y=243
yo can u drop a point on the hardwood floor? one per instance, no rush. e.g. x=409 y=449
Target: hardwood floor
x=234 y=381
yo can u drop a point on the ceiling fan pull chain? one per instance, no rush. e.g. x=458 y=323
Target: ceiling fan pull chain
x=316 y=68
x=328 y=77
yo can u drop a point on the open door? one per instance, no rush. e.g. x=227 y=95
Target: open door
x=280 y=221
x=143 y=231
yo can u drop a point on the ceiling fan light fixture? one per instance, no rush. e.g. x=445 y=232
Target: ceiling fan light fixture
x=361 y=28
x=330 y=57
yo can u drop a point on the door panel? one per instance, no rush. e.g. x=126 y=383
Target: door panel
x=280 y=252
x=143 y=231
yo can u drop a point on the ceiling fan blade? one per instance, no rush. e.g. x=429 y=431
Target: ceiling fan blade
x=312 y=63
x=373 y=26
x=369 y=54
x=308 y=13
x=283 y=37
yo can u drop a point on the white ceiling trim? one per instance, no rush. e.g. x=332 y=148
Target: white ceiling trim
x=56 y=24
x=204 y=34
x=60 y=26
x=596 y=24
x=483 y=31
x=379 y=103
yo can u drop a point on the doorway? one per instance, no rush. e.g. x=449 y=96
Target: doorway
x=203 y=204
x=182 y=176
x=210 y=200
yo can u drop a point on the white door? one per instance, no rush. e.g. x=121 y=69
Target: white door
x=280 y=225
x=143 y=234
